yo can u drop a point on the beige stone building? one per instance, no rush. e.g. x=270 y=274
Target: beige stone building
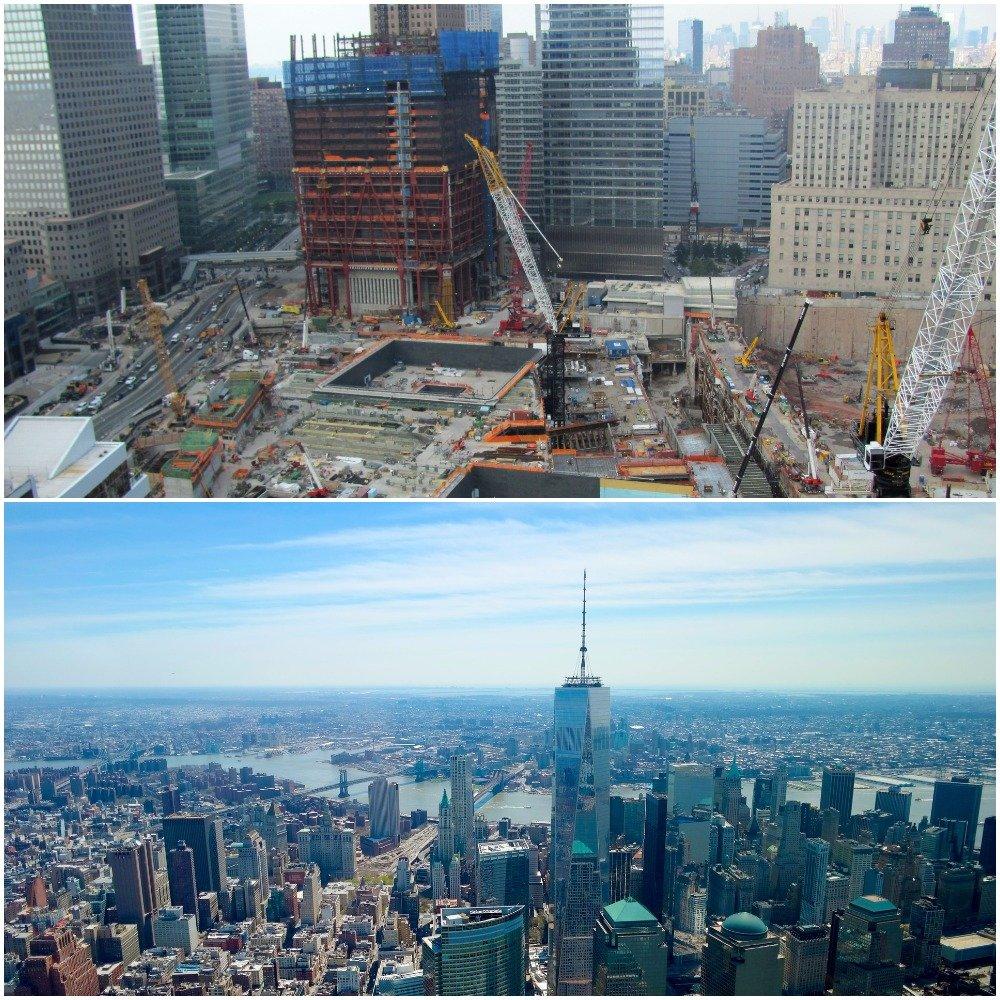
x=867 y=160
x=682 y=99
x=399 y=20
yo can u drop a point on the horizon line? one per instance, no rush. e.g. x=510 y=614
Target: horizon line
x=424 y=688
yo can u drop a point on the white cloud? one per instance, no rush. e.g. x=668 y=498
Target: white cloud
x=471 y=592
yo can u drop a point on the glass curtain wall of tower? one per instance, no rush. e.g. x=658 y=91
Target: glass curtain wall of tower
x=602 y=67
x=581 y=797
x=203 y=92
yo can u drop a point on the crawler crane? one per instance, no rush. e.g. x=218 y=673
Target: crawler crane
x=956 y=294
x=510 y=209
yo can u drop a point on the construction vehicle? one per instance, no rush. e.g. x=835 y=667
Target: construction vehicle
x=570 y=305
x=318 y=490
x=155 y=320
x=507 y=205
x=743 y=360
x=955 y=296
x=881 y=383
x=971 y=371
x=443 y=323
x=769 y=398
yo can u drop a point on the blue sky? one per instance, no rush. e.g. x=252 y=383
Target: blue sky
x=730 y=596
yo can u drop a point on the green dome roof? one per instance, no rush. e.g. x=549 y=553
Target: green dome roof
x=628 y=911
x=745 y=925
x=874 y=904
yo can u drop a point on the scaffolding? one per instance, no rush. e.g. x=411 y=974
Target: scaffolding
x=429 y=230
x=384 y=181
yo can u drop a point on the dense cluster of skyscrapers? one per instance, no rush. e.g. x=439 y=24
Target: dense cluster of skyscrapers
x=138 y=877
x=169 y=150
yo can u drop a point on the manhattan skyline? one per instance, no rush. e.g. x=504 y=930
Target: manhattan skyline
x=269 y=25
x=677 y=598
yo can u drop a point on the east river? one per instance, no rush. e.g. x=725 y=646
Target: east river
x=314 y=770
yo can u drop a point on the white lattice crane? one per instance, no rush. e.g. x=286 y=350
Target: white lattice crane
x=510 y=210
x=955 y=297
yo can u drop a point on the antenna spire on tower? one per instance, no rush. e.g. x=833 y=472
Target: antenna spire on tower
x=583 y=678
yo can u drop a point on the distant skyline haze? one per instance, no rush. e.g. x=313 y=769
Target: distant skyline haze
x=269 y=25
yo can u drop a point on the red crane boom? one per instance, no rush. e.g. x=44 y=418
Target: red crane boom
x=976 y=461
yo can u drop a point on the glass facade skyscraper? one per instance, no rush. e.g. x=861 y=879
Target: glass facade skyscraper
x=737 y=161
x=630 y=953
x=476 y=951
x=602 y=68
x=581 y=801
x=837 y=792
x=199 y=54
x=83 y=180
x=958 y=799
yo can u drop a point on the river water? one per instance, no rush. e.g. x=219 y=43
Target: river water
x=314 y=770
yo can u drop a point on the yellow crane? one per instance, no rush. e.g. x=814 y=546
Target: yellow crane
x=881 y=385
x=442 y=320
x=743 y=360
x=155 y=321
x=575 y=291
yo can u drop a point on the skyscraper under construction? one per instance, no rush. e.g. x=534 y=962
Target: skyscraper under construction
x=393 y=210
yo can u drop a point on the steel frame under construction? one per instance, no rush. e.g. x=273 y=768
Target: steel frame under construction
x=426 y=225
x=386 y=186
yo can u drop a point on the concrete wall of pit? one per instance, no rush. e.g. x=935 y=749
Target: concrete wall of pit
x=422 y=353
x=843 y=326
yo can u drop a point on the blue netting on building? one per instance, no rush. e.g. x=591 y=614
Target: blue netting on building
x=367 y=76
x=469 y=51
x=363 y=76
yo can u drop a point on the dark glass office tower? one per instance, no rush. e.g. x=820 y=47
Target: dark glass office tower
x=838 y=792
x=958 y=799
x=602 y=78
x=203 y=834
x=199 y=54
x=988 y=849
x=653 y=845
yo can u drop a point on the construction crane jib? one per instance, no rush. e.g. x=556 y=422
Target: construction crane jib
x=509 y=210
x=956 y=294
x=156 y=318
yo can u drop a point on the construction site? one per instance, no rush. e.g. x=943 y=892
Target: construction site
x=413 y=347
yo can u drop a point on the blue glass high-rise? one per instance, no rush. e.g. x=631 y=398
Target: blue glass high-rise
x=581 y=791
